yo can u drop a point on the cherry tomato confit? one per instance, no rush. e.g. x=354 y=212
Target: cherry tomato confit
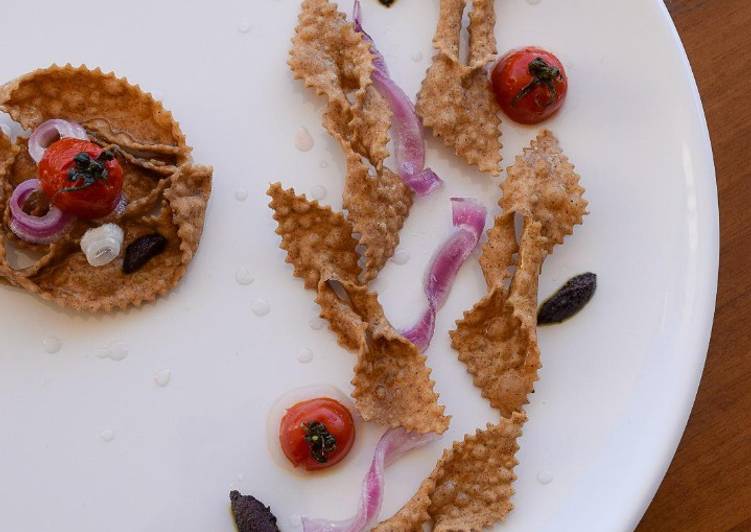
x=80 y=178
x=530 y=84
x=317 y=433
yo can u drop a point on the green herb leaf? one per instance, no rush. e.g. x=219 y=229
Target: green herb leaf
x=320 y=441
x=88 y=171
x=542 y=74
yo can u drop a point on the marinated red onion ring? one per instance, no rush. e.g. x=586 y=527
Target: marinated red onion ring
x=392 y=445
x=51 y=131
x=406 y=127
x=468 y=217
x=35 y=229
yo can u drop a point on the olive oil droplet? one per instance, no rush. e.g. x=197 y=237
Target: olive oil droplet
x=162 y=377
x=544 y=477
x=243 y=277
x=52 y=344
x=318 y=192
x=260 y=307
x=305 y=355
x=303 y=140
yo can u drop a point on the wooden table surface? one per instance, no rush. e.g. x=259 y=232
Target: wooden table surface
x=708 y=485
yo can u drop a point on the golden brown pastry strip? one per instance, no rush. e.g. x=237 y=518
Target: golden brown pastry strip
x=392 y=383
x=456 y=99
x=470 y=488
x=317 y=240
x=329 y=56
x=377 y=207
x=148 y=140
x=8 y=152
x=543 y=186
x=152 y=165
x=497 y=338
x=499 y=251
x=94 y=99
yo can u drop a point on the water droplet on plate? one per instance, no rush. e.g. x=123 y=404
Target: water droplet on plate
x=323 y=164
x=162 y=377
x=318 y=192
x=116 y=351
x=303 y=140
x=107 y=435
x=544 y=477
x=241 y=194
x=401 y=257
x=417 y=57
x=237 y=481
x=243 y=276
x=260 y=307
x=316 y=323
x=533 y=2
x=244 y=26
x=52 y=344
x=305 y=355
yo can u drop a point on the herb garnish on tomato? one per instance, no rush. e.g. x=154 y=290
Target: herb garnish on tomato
x=320 y=441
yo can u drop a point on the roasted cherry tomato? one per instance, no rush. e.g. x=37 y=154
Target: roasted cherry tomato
x=530 y=84
x=317 y=433
x=80 y=178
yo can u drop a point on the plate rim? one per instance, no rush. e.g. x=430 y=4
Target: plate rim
x=707 y=263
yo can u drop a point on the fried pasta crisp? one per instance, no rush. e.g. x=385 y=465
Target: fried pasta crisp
x=470 y=487
x=456 y=99
x=166 y=193
x=333 y=59
x=392 y=383
x=497 y=338
x=377 y=207
x=543 y=186
x=8 y=152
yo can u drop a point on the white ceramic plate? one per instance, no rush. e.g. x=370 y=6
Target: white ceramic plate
x=618 y=380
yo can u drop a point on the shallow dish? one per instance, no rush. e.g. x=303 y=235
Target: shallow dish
x=145 y=420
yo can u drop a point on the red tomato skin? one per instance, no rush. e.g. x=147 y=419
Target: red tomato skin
x=511 y=75
x=96 y=201
x=333 y=414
